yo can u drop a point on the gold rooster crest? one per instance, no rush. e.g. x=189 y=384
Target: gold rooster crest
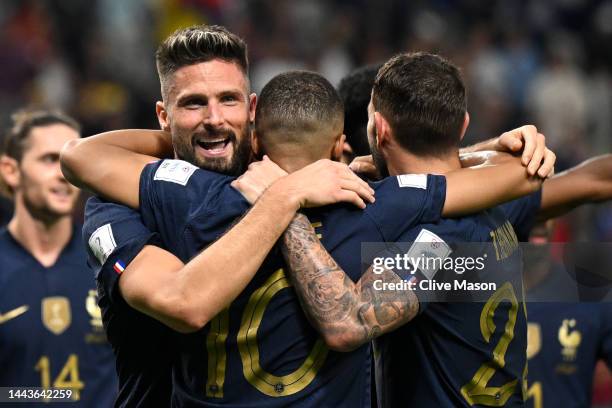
x=569 y=340
x=93 y=310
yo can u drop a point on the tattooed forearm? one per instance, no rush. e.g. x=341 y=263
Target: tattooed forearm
x=348 y=313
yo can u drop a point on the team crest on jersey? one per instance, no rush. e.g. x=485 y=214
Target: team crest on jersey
x=93 y=309
x=534 y=339
x=570 y=339
x=56 y=315
x=175 y=171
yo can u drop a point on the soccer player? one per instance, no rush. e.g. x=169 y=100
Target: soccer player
x=200 y=308
x=355 y=90
x=280 y=131
x=183 y=297
x=415 y=127
x=51 y=332
x=567 y=333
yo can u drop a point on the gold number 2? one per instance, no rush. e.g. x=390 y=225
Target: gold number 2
x=269 y=384
x=476 y=391
x=67 y=378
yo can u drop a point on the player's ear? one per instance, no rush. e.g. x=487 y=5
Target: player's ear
x=162 y=116
x=256 y=145
x=9 y=171
x=338 y=147
x=252 y=106
x=383 y=130
x=466 y=123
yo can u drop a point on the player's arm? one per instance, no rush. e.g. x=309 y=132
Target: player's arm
x=347 y=314
x=524 y=140
x=187 y=297
x=589 y=182
x=110 y=164
x=506 y=179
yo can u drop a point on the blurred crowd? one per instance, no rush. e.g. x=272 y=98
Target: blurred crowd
x=547 y=62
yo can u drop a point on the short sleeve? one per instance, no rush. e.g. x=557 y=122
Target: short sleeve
x=406 y=201
x=114 y=235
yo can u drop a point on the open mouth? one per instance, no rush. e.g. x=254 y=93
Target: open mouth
x=216 y=147
x=64 y=192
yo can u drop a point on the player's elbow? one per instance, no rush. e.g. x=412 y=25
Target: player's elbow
x=69 y=160
x=186 y=318
x=342 y=340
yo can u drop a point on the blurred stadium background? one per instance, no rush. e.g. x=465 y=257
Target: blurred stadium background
x=547 y=62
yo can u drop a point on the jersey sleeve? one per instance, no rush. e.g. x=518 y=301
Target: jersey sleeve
x=405 y=201
x=188 y=207
x=522 y=213
x=113 y=235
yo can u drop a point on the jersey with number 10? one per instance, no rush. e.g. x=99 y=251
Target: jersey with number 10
x=261 y=351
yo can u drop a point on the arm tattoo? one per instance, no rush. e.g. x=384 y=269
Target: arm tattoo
x=331 y=300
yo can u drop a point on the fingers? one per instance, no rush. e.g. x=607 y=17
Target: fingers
x=364 y=191
x=548 y=167
x=350 y=197
x=530 y=137
x=537 y=156
x=511 y=141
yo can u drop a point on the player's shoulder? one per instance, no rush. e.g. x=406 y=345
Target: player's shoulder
x=182 y=173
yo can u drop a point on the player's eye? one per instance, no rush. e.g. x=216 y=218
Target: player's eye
x=50 y=158
x=229 y=99
x=194 y=103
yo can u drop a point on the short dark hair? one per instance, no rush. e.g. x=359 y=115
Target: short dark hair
x=199 y=43
x=297 y=106
x=424 y=99
x=355 y=89
x=16 y=138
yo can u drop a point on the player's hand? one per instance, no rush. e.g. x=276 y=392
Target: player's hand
x=259 y=176
x=326 y=182
x=535 y=155
x=364 y=166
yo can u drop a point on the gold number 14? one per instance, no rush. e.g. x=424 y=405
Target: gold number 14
x=67 y=378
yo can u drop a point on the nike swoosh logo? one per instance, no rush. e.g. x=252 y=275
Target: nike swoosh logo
x=11 y=314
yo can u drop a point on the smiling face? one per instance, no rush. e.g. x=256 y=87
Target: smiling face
x=41 y=186
x=208 y=111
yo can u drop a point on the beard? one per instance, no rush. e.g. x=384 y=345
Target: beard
x=379 y=161
x=234 y=166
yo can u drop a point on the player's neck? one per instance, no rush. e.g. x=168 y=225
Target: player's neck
x=402 y=162
x=43 y=239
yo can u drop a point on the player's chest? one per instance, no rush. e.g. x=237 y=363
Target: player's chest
x=563 y=336
x=49 y=305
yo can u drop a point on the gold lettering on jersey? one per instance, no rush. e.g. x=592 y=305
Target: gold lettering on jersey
x=316 y=225
x=534 y=339
x=504 y=240
x=569 y=338
x=56 y=315
x=93 y=309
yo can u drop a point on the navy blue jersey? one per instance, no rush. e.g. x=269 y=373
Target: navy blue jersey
x=114 y=235
x=261 y=351
x=565 y=340
x=51 y=331
x=522 y=213
x=459 y=353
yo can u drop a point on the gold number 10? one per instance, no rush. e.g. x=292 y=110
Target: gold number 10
x=269 y=384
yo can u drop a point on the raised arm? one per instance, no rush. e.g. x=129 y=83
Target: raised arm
x=500 y=178
x=589 y=182
x=109 y=164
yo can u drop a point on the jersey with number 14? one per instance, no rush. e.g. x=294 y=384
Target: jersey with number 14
x=261 y=351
